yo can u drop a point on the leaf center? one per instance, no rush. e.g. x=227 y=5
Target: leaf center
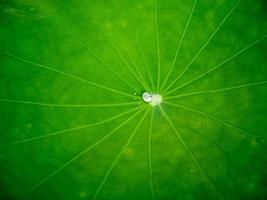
x=152 y=98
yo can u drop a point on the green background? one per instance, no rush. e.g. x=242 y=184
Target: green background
x=73 y=124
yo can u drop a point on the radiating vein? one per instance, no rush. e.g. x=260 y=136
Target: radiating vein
x=190 y=152
x=83 y=152
x=139 y=44
x=67 y=105
x=219 y=65
x=139 y=74
x=217 y=90
x=157 y=42
x=127 y=64
x=222 y=122
x=93 y=53
x=179 y=45
x=70 y=130
x=101 y=60
x=118 y=156
x=69 y=75
x=150 y=156
x=205 y=44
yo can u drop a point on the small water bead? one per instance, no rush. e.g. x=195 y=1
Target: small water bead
x=151 y=98
x=156 y=100
x=147 y=97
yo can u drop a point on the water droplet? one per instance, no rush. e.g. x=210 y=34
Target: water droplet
x=147 y=97
x=153 y=99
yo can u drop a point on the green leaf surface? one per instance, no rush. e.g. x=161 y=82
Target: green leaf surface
x=73 y=123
